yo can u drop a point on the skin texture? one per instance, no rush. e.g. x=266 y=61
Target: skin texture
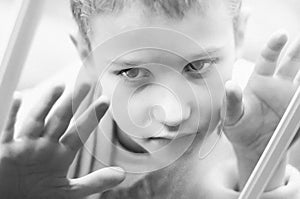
x=184 y=95
x=280 y=79
x=250 y=117
x=42 y=153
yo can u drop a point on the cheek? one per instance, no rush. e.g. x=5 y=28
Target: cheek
x=135 y=101
x=214 y=88
x=205 y=115
x=130 y=106
x=210 y=93
x=139 y=105
x=109 y=84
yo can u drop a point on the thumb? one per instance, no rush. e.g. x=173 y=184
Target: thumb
x=232 y=109
x=97 y=182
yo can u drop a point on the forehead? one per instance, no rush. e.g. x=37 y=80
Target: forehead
x=210 y=29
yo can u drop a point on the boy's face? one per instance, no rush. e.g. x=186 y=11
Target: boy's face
x=165 y=77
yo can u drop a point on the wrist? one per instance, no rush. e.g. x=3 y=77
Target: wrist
x=247 y=161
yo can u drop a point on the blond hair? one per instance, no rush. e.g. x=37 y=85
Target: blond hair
x=82 y=10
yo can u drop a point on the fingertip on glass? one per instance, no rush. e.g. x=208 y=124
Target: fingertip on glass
x=59 y=89
x=278 y=40
x=294 y=53
x=101 y=107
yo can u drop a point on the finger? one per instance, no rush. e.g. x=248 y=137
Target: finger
x=296 y=138
x=232 y=109
x=8 y=133
x=291 y=62
x=59 y=121
x=35 y=122
x=297 y=79
x=85 y=125
x=267 y=61
x=46 y=103
x=97 y=182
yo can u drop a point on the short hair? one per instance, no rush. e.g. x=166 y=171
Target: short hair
x=82 y=10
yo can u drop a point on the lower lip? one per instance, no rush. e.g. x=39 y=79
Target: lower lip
x=154 y=144
x=174 y=138
x=161 y=140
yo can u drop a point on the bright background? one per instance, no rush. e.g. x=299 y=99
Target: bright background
x=53 y=51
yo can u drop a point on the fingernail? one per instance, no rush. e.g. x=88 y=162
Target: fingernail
x=101 y=109
x=59 y=89
x=83 y=91
x=85 y=86
x=279 y=39
x=104 y=99
x=118 y=172
x=118 y=169
x=233 y=92
x=230 y=85
x=17 y=95
x=295 y=52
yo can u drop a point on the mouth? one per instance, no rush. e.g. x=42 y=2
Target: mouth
x=171 y=136
x=151 y=142
x=159 y=141
x=162 y=139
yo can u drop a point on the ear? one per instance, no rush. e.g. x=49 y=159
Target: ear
x=82 y=46
x=240 y=30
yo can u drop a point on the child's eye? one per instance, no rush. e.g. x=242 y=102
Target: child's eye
x=135 y=74
x=200 y=66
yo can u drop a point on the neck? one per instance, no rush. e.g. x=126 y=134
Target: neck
x=173 y=181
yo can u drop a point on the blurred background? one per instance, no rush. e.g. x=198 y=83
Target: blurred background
x=52 y=49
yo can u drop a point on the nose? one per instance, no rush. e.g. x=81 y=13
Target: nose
x=171 y=111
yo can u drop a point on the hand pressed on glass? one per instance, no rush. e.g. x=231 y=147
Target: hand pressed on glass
x=252 y=116
x=34 y=163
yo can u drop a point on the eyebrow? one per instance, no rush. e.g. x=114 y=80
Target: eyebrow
x=139 y=61
x=206 y=52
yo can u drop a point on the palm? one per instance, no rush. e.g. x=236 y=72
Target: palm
x=38 y=162
x=42 y=154
x=266 y=98
x=35 y=162
x=267 y=103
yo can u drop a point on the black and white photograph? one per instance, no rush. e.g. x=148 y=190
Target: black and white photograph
x=149 y=99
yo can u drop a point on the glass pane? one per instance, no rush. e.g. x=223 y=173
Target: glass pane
x=162 y=66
